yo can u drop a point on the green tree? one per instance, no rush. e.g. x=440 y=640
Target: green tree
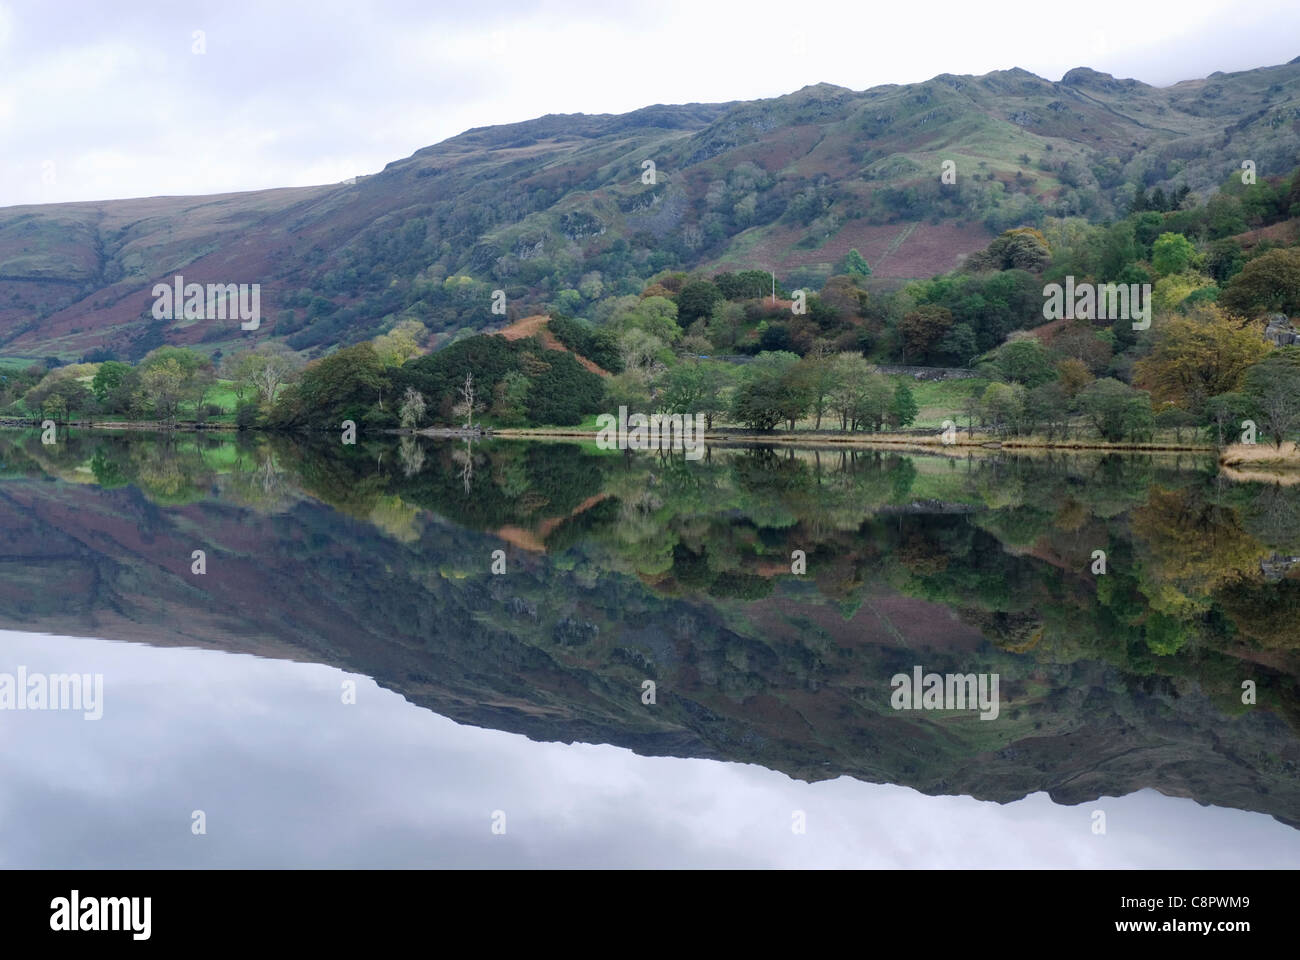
x=1172 y=253
x=1048 y=405
x=874 y=399
x=563 y=391
x=717 y=380
x=849 y=376
x=1175 y=419
x=854 y=265
x=820 y=374
x=163 y=384
x=1021 y=248
x=1116 y=410
x=510 y=399
x=1003 y=406
x=656 y=316
x=1025 y=361
x=1225 y=412
x=765 y=396
x=697 y=299
x=185 y=358
x=1273 y=385
x=345 y=385
x=1119 y=250
x=683 y=387
x=1224 y=260
x=401 y=343
x=263 y=371
x=1269 y=283
x=903 y=410
x=108 y=378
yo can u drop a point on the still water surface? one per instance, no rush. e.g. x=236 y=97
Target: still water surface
x=519 y=698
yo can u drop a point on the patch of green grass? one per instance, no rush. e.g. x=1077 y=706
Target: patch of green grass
x=940 y=400
x=222 y=393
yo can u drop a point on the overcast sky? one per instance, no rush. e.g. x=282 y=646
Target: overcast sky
x=105 y=100
x=289 y=776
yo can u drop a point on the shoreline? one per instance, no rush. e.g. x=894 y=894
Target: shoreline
x=926 y=443
x=929 y=442
x=157 y=426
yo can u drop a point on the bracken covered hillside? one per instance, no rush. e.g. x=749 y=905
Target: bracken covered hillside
x=788 y=184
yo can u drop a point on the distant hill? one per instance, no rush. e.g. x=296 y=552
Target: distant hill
x=558 y=203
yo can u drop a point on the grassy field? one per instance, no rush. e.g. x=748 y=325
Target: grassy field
x=15 y=364
x=941 y=400
x=222 y=393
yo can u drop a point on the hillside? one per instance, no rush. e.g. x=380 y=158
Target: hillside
x=558 y=203
x=537 y=326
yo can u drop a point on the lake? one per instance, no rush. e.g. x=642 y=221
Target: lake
x=408 y=652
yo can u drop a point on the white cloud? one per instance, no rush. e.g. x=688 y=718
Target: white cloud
x=296 y=779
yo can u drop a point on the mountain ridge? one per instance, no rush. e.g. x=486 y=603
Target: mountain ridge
x=786 y=183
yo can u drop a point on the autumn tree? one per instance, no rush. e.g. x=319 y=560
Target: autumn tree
x=922 y=330
x=1081 y=342
x=1073 y=375
x=1198 y=356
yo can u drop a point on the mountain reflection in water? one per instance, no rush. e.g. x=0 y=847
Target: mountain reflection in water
x=376 y=560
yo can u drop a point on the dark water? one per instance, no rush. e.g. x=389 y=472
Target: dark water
x=348 y=682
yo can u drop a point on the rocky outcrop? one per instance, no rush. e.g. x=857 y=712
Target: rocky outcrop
x=1280 y=331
